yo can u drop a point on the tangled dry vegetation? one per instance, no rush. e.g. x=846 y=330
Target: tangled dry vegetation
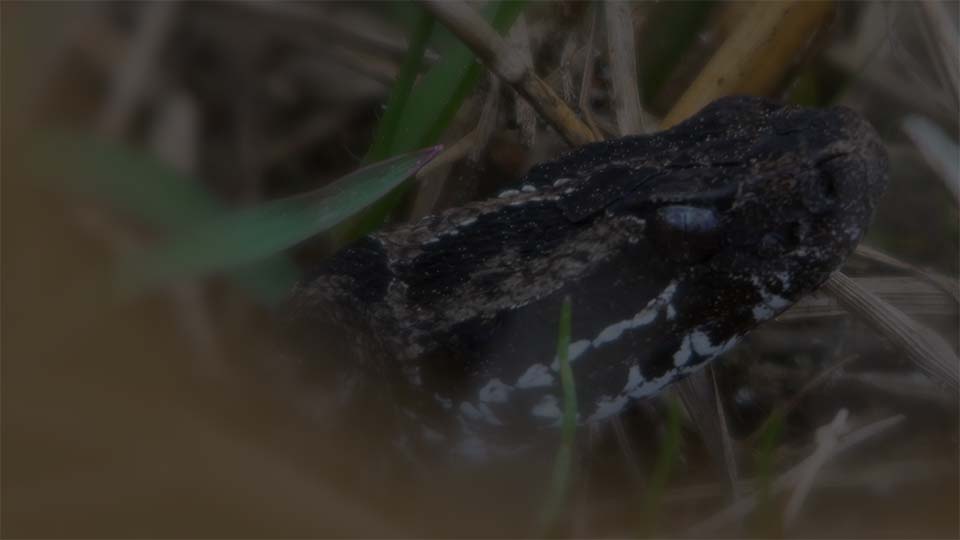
x=838 y=419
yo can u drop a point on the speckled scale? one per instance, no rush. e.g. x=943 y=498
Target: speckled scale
x=672 y=247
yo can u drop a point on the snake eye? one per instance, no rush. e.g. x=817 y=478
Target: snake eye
x=686 y=233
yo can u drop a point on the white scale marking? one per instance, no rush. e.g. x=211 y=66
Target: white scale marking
x=495 y=391
x=576 y=349
x=608 y=407
x=488 y=415
x=651 y=387
x=536 y=376
x=470 y=411
x=682 y=356
x=634 y=379
x=445 y=402
x=547 y=408
x=770 y=306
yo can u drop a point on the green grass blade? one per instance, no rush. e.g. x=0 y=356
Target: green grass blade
x=675 y=26
x=428 y=110
x=132 y=182
x=666 y=460
x=442 y=90
x=563 y=464
x=250 y=235
x=766 y=519
x=142 y=187
x=387 y=129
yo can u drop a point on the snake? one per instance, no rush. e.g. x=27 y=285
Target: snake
x=670 y=247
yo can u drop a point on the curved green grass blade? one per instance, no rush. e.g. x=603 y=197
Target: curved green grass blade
x=146 y=189
x=250 y=235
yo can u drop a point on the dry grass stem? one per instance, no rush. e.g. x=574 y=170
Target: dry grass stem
x=586 y=81
x=912 y=385
x=175 y=137
x=944 y=42
x=700 y=404
x=622 y=51
x=879 y=478
x=797 y=398
x=729 y=449
x=937 y=149
x=942 y=282
x=132 y=77
x=745 y=505
x=754 y=58
x=487 y=123
x=827 y=439
x=519 y=40
x=910 y=295
x=885 y=81
x=432 y=177
x=332 y=27
x=510 y=66
x=927 y=350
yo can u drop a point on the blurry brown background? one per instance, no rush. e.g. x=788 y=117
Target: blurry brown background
x=132 y=419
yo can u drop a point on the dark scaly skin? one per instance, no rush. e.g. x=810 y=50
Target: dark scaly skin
x=672 y=247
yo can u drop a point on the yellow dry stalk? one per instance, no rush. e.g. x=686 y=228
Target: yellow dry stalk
x=755 y=57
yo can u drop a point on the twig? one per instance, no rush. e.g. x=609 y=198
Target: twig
x=622 y=50
x=745 y=505
x=510 y=66
x=927 y=350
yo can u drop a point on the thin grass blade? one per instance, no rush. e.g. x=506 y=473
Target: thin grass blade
x=251 y=235
x=666 y=460
x=143 y=188
x=427 y=110
x=563 y=464
x=383 y=141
